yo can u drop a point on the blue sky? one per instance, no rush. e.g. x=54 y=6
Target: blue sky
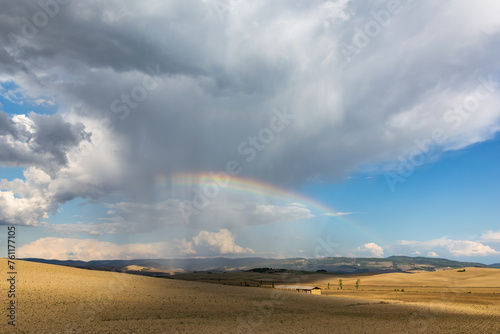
x=314 y=112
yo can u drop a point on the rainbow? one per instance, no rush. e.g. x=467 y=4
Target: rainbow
x=249 y=186
x=266 y=190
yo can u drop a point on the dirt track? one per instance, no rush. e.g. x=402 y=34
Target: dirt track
x=54 y=299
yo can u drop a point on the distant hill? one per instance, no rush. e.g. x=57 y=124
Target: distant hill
x=340 y=265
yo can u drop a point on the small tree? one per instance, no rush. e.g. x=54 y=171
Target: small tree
x=340 y=284
x=357 y=284
x=328 y=286
x=272 y=284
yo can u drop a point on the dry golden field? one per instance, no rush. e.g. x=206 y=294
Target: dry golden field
x=55 y=299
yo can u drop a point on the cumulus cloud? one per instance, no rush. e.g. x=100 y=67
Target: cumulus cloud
x=491 y=236
x=42 y=141
x=221 y=242
x=91 y=249
x=63 y=167
x=370 y=249
x=204 y=243
x=447 y=246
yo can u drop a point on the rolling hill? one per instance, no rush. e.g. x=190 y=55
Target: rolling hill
x=58 y=299
x=341 y=265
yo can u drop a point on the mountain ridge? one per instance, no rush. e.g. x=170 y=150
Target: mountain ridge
x=340 y=265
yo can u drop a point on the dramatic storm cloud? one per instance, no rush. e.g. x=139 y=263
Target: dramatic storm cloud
x=38 y=140
x=285 y=92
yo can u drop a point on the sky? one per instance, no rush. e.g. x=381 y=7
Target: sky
x=203 y=128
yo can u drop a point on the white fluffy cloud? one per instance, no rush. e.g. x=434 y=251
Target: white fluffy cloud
x=446 y=247
x=370 y=249
x=221 y=242
x=491 y=236
x=91 y=249
x=205 y=243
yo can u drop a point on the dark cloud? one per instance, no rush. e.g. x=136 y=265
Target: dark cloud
x=176 y=86
x=40 y=140
x=54 y=136
x=7 y=125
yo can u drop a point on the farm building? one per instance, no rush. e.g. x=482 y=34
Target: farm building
x=300 y=288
